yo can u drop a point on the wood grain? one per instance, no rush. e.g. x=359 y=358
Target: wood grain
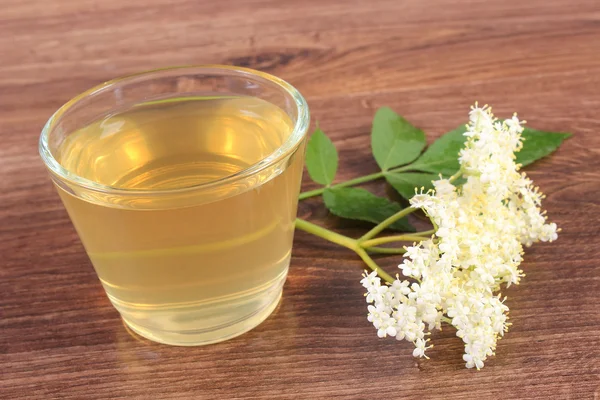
x=60 y=337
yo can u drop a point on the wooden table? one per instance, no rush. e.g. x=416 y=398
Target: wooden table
x=428 y=60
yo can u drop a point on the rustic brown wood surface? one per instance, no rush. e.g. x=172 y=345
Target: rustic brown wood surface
x=428 y=60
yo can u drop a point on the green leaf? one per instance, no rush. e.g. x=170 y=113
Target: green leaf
x=538 y=144
x=360 y=204
x=405 y=183
x=442 y=156
x=394 y=140
x=321 y=158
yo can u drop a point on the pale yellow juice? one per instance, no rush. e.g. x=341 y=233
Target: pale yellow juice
x=187 y=264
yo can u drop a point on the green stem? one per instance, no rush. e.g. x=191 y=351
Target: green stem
x=345 y=241
x=455 y=176
x=373 y=265
x=364 y=179
x=386 y=222
x=426 y=233
x=386 y=250
x=418 y=237
x=353 y=182
x=326 y=234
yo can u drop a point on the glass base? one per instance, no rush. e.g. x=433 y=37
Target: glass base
x=204 y=336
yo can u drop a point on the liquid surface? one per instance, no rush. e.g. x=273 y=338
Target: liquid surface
x=202 y=270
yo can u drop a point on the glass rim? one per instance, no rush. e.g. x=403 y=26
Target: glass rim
x=285 y=149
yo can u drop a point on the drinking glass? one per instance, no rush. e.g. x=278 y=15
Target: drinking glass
x=183 y=184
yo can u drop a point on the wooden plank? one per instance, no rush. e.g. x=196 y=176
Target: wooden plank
x=60 y=337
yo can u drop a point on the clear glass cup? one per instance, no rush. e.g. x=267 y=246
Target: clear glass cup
x=182 y=184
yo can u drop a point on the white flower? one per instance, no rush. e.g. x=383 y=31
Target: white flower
x=481 y=117
x=421 y=200
x=370 y=279
x=473 y=361
x=444 y=188
x=514 y=125
x=420 y=347
x=478 y=245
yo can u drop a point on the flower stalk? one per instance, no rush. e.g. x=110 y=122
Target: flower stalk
x=362 y=247
x=453 y=273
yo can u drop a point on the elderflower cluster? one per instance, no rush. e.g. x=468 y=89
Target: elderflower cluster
x=481 y=228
